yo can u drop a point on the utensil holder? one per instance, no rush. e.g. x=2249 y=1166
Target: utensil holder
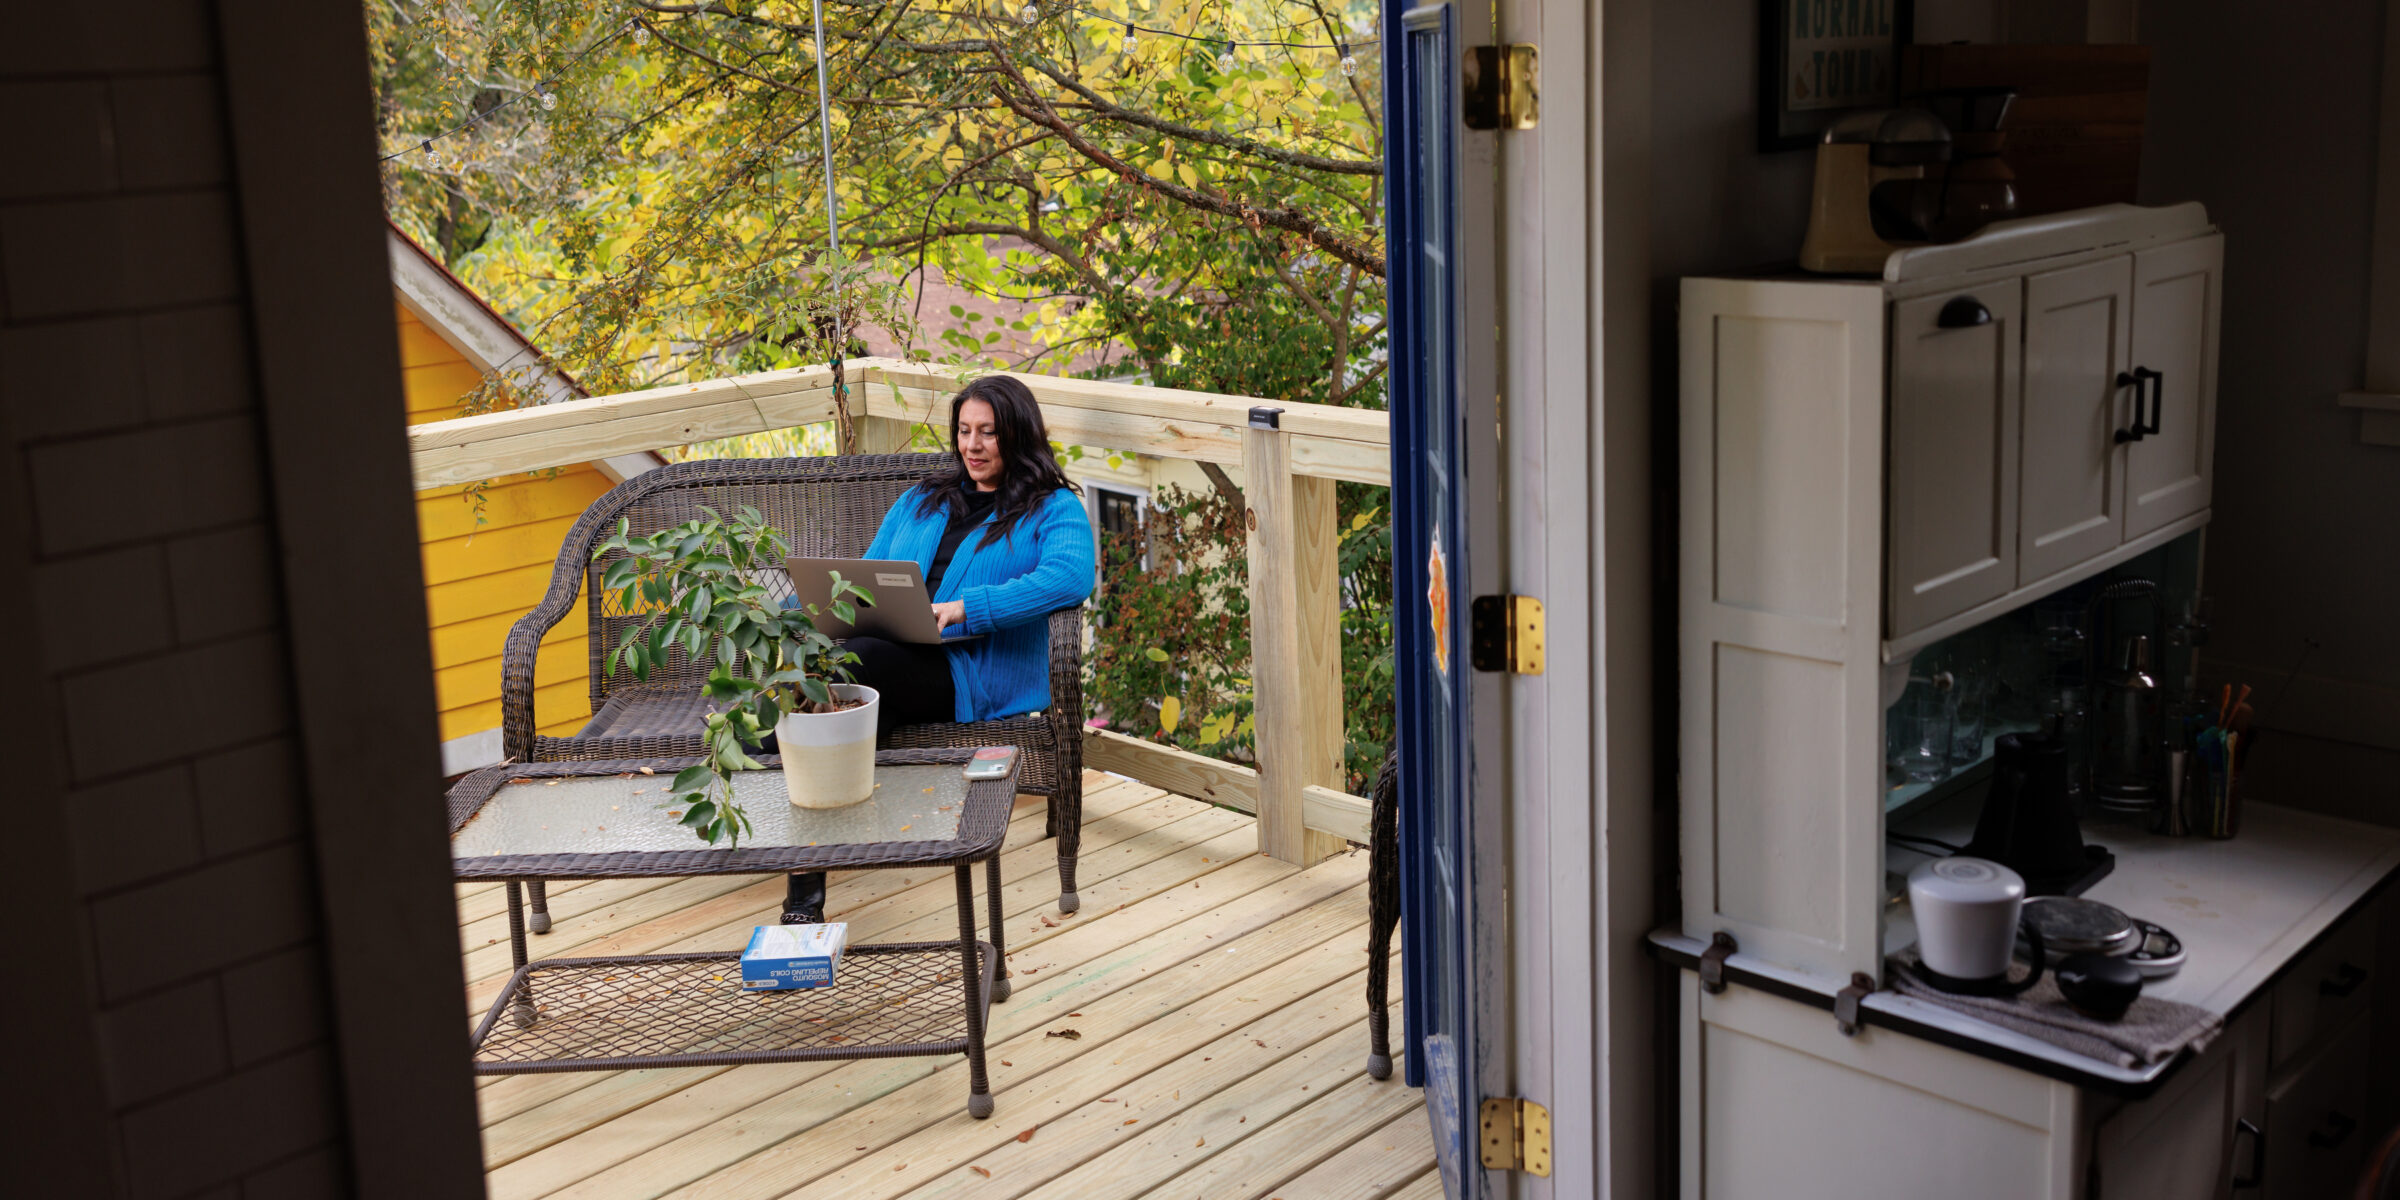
x=2213 y=792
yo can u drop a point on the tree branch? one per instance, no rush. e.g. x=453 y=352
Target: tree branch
x=1309 y=162
x=1290 y=219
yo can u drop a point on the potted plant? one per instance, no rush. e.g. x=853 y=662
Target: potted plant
x=698 y=587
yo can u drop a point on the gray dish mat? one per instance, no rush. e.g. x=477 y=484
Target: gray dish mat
x=2151 y=1031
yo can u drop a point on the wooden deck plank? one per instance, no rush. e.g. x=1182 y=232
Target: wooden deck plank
x=1296 y=1142
x=1170 y=1025
x=1211 y=1126
x=931 y=921
x=1233 y=1031
x=1186 y=1087
x=1427 y=1186
x=1371 y=1168
x=1093 y=960
x=927 y=911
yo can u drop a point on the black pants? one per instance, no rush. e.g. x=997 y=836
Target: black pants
x=912 y=685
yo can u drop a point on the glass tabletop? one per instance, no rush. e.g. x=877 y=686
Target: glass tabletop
x=603 y=814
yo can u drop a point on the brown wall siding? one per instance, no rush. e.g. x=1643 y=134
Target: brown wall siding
x=132 y=437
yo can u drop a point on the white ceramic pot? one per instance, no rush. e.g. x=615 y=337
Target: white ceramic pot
x=1966 y=911
x=829 y=758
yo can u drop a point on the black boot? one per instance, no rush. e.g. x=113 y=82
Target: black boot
x=804 y=899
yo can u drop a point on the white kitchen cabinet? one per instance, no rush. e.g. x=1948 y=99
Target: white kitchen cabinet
x=2078 y=333
x=2316 y=1133
x=1869 y=465
x=2175 y=306
x=2189 y=1140
x=1951 y=513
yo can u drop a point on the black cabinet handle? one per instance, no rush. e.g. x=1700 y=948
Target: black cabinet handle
x=2142 y=379
x=2258 y=1154
x=2346 y=979
x=1963 y=312
x=2338 y=1128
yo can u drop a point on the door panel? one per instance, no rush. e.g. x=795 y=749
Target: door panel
x=2175 y=300
x=2078 y=327
x=1447 y=549
x=1952 y=513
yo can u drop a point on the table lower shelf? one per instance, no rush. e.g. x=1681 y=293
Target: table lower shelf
x=689 y=1010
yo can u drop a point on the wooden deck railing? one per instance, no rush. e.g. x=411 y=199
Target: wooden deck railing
x=1289 y=459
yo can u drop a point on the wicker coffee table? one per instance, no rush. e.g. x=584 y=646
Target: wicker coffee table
x=600 y=820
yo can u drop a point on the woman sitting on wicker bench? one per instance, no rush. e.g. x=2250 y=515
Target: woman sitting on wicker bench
x=1003 y=542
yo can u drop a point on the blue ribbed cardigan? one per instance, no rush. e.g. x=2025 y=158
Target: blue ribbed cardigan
x=1010 y=587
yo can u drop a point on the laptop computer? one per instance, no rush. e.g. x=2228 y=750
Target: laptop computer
x=902 y=611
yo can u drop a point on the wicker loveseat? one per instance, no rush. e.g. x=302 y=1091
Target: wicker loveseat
x=827 y=508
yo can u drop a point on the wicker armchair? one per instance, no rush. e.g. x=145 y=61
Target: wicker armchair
x=827 y=508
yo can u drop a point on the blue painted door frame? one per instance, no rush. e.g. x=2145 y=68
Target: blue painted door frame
x=1445 y=490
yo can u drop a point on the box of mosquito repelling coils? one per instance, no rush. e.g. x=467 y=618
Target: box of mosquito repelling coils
x=792 y=956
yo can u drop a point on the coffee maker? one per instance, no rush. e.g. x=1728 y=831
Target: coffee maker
x=2028 y=821
x=1867 y=202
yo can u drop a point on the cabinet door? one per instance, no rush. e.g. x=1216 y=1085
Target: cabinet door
x=2182 y=1144
x=1952 y=505
x=2175 y=300
x=2078 y=329
x=2317 y=1137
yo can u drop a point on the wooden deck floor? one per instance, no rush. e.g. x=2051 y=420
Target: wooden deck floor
x=1219 y=1042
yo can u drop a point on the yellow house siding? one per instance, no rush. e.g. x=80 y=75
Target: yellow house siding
x=480 y=578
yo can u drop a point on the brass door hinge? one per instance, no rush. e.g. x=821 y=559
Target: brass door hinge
x=1505 y=633
x=1516 y=1136
x=1503 y=86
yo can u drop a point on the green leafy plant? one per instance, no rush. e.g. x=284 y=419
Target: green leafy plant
x=698 y=590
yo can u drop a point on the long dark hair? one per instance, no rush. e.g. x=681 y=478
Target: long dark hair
x=1029 y=472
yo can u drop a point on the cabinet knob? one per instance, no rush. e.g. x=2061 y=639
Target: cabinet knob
x=2338 y=1128
x=2345 y=980
x=1963 y=312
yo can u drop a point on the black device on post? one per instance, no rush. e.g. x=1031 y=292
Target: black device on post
x=2028 y=822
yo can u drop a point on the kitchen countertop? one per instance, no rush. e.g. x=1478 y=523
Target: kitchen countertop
x=2245 y=908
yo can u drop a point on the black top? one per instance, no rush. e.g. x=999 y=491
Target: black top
x=967 y=509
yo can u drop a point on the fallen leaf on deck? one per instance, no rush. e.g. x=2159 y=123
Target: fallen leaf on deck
x=552 y=783
x=906 y=828
x=1074 y=1014
x=1202 y=1142
x=648 y=771
x=901 y=1167
x=1047 y=923
x=1255 y=1042
x=1027 y=1136
x=1074 y=1035
x=981 y=1171
x=1004 y=1062
x=1131 y=1120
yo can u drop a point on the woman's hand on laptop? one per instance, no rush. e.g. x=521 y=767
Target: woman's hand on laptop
x=949 y=613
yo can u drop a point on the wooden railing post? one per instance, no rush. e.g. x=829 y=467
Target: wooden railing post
x=1295 y=641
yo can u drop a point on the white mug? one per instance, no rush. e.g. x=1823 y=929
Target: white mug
x=1967 y=913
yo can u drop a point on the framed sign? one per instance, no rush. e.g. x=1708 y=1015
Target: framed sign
x=1818 y=59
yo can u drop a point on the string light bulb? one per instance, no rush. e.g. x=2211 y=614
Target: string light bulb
x=641 y=34
x=1349 y=61
x=1225 y=60
x=433 y=157
x=549 y=98
x=1030 y=13
x=1129 y=46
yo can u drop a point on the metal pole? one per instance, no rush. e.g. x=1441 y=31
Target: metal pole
x=846 y=429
